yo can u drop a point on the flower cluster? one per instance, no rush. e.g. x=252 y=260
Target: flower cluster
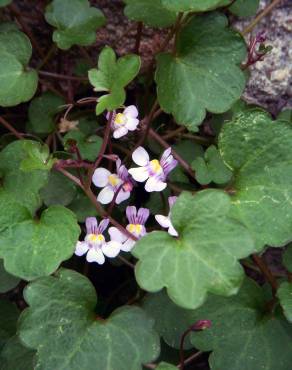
x=117 y=187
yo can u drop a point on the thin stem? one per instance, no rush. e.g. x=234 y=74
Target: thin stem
x=266 y=272
x=147 y=123
x=138 y=37
x=259 y=17
x=165 y=145
x=126 y=262
x=47 y=57
x=181 y=347
x=190 y=359
x=87 y=56
x=11 y=128
x=60 y=76
x=102 y=150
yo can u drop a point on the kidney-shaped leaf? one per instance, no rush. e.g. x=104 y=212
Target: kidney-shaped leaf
x=112 y=76
x=165 y=366
x=194 y=5
x=17 y=85
x=259 y=151
x=151 y=12
x=61 y=324
x=243 y=336
x=203 y=258
x=244 y=8
x=7 y=281
x=32 y=249
x=204 y=74
x=75 y=21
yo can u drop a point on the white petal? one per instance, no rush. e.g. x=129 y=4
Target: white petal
x=153 y=184
x=111 y=249
x=172 y=230
x=95 y=255
x=116 y=234
x=128 y=245
x=132 y=124
x=139 y=174
x=140 y=156
x=131 y=111
x=119 y=132
x=163 y=221
x=81 y=248
x=123 y=195
x=100 y=177
x=106 y=195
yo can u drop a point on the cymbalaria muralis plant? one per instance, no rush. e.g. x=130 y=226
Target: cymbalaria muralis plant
x=141 y=196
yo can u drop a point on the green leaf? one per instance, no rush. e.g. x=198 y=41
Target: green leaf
x=8 y=318
x=171 y=321
x=82 y=207
x=165 y=366
x=23 y=186
x=150 y=12
x=15 y=356
x=42 y=111
x=244 y=8
x=7 y=281
x=64 y=305
x=88 y=146
x=204 y=74
x=75 y=21
x=36 y=248
x=59 y=190
x=37 y=157
x=5 y=2
x=88 y=125
x=287 y=258
x=204 y=257
x=243 y=336
x=284 y=293
x=211 y=168
x=112 y=76
x=259 y=152
x=18 y=84
x=194 y=5
x=285 y=115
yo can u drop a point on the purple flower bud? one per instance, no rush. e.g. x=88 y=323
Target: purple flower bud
x=201 y=325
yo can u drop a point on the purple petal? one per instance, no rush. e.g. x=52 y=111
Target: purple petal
x=131 y=212
x=169 y=166
x=91 y=225
x=118 y=164
x=165 y=155
x=142 y=216
x=171 y=201
x=103 y=225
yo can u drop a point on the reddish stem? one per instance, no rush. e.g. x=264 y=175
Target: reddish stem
x=10 y=128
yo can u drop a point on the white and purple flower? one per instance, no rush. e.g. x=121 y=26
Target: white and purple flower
x=111 y=183
x=154 y=171
x=124 y=122
x=165 y=221
x=95 y=245
x=136 y=227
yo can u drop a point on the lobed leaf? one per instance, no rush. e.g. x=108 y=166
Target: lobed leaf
x=18 y=84
x=204 y=74
x=15 y=356
x=112 y=76
x=204 y=258
x=284 y=293
x=75 y=21
x=258 y=151
x=244 y=8
x=61 y=324
x=7 y=281
x=194 y=5
x=243 y=336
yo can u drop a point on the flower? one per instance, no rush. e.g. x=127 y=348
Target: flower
x=136 y=227
x=124 y=122
x=155 y=171
x=94 y=243
x=111 y=183
x=165 y=221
